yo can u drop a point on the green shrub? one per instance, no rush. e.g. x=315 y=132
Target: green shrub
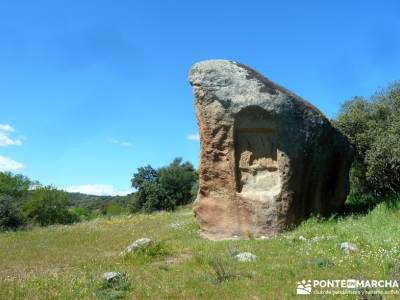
x=14 y=190
x=112 y=209
x=223 y=267
x=10 y=214
x=321 y=262
x=115 y=289
x=82 y=213
x=154 y=250
x=373 y=127
x=47 y=206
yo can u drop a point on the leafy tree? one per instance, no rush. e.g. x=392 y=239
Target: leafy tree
x=14 y=190
x=144 y=174
x=47 y=206
x=16 y=186
x=10 y=215
x=150 y=197
x=165 y=188
x=373 y=126
x=177 y=180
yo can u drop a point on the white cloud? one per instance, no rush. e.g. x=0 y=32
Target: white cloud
x=121 y=143
x=193 y=137
x=5 y=139
x=6 y=127
x=97 y=189
x=9 y=165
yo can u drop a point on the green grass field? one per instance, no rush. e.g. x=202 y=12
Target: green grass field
x=67 y=262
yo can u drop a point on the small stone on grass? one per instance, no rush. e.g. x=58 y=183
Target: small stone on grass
x=111 y=276
x=245 y=257
x=348 y=248
x=136 y=245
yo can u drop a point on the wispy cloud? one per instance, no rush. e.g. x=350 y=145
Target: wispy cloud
x=5 y=140
x=9 y=165
x=193 y=137
x=97 y=189
x=120 y=143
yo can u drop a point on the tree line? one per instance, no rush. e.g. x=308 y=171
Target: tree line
x=25 y=203
x=372 y=125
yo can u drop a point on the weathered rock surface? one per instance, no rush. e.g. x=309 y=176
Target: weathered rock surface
x=268 y=158
x=245 y=257
x=136 y=245
x=348 y=248
x=111 y=276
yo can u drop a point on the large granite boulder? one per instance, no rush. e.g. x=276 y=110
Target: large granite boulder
x=269 y=159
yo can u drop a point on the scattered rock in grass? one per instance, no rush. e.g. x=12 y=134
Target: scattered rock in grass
x=263 y=237
x=115 y=285
x=136 y=245
x=179 y=225
x=348 y=248
x=176 y=225
x=245 y=257
x=111 y=276
x=317 y=239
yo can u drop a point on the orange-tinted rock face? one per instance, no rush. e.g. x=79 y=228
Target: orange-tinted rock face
x=268 y=158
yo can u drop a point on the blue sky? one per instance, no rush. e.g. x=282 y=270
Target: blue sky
x=91 y=90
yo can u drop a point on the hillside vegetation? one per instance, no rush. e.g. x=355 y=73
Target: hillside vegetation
x=24 y=202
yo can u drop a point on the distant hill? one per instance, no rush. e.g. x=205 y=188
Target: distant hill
x=93 y=202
